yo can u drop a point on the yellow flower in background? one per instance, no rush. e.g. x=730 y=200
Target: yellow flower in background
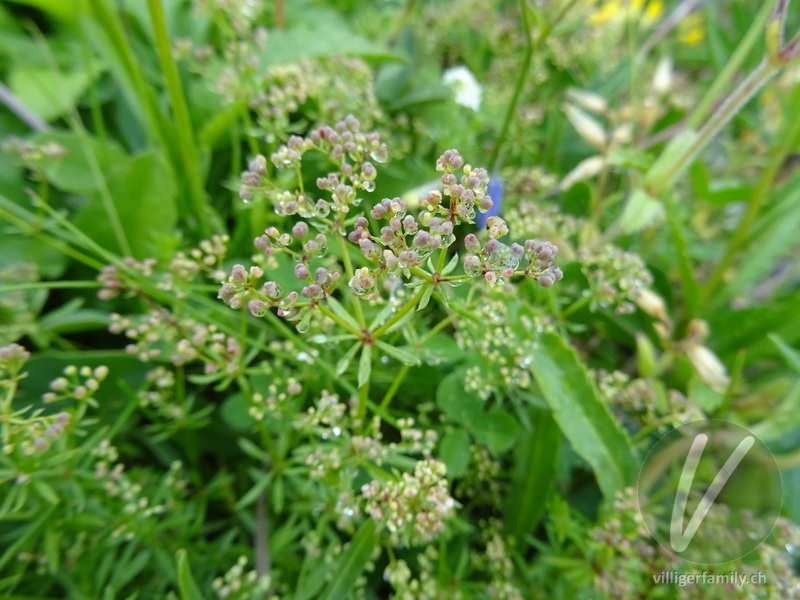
x=614 y=10
x=692 y=29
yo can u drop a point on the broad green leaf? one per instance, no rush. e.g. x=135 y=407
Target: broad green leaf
x=534 y=474
x=583 y=418
x=74 y=171
x=144 y=191
x=496 y=429
x=456 y=402
x=365 y=365
x=640 y=211
x=441 y=348
x=234 y=413
x=186 y=583
x=50 y=94
x=290 y=45
x=627 y=159
x=65 y=10
x=455 y=452
x=352 y=562
x=706 y=398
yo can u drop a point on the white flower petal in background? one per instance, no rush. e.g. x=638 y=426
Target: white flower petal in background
x=466 y=87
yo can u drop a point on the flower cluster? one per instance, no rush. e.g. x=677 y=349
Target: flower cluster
x=238 y=584
x=498 y=262
x=182 y=270
x=426 y=585
x=115 y=281
x=136 y=505
x=504 y=336
x=80 y=384
x=352 y=150
x=275 y=399
x=636 y=402
x=20 y=307
x=32 y=154
x=615 y=277
x=415 y=508
x=160 y=335
x=35 y=434
x=12 y=357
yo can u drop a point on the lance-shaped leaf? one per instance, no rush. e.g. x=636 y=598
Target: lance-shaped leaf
x=581 y=415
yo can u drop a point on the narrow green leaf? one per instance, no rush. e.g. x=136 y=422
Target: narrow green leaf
x=790 y=355
x=404 y=356
x=426 y=297
x=365 y=365
x=341 y=312
x=451 y=265
x=344 y=362
x=186 y=583
x=583 y=418
x=534 y=474
x=671 y=155
x=253 y=451
x=254 y=492
x=352 y=562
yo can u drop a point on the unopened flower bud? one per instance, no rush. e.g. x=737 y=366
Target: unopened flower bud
x=546 y=280
x=301 y=271
x=238 y=273
x=300 y=230
x=589 y=129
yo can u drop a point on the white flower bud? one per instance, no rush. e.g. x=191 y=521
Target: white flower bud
x=662 y=78
x=585 y=169
x=709 y=368
x=587 y=127
x=652 y=304
x=588 y=100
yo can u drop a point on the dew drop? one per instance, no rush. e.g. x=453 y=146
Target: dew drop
x=368 y=186
x=380 y=155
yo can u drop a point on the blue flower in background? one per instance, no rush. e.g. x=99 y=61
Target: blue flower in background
x=496 y=193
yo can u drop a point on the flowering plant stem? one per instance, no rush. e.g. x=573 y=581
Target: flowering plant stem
x=756 y=201
x=183 y=124
x=737 y=58
x=719 y=119
x=531 y=47
x=407 y=307
x=348 y=269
